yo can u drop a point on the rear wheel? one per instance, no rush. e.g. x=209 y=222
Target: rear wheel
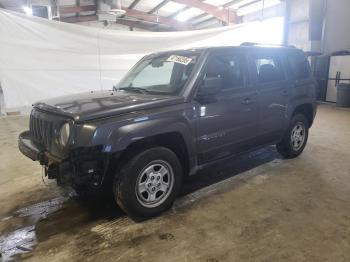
x=148 y=183
x=295 y=138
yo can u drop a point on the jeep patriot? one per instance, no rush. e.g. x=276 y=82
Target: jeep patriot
x=173 y=113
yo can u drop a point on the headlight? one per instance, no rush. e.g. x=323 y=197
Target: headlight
x=64 y=134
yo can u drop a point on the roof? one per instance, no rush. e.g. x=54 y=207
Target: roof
x=277 y=48
x=242 y=46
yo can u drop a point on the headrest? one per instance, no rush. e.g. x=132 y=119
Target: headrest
x=268 y=73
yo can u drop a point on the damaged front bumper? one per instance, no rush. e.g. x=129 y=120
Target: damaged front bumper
x=32 y=150
x=28 y=147
x=85 y=167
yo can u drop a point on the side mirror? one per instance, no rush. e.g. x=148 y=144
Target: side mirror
x=210 y=86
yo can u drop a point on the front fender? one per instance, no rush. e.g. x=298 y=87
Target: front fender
x=119 y=139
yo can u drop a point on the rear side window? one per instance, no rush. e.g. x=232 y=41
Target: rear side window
x=299 y=66
x=268 y=69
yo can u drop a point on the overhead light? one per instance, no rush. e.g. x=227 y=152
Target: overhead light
x=256 y=6
x=116 y=8
x=117 y=12
x=27 y=10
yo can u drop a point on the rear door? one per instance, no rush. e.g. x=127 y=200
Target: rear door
x=227 y=122
x=269 y=78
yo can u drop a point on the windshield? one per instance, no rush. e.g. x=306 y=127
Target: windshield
x=163 y=74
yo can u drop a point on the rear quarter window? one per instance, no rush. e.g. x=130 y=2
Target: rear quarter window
x=298 y=65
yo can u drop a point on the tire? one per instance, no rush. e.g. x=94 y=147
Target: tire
x=295 y=139
x=148 y=183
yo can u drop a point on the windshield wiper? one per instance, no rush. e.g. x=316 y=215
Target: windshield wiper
x=133 y=89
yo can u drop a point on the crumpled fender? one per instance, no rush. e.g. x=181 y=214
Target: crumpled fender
x=121 y=137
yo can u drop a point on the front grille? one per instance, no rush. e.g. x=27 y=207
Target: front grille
x=41 y=130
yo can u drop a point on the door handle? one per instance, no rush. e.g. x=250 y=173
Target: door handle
x=337 y=78
x=247 y=101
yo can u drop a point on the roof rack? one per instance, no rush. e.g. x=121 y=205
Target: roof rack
x=260 y=44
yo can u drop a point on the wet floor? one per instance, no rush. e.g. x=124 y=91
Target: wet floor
x=256 y=207
x=75 y=212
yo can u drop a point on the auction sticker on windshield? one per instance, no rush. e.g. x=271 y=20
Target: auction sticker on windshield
x=179 y=59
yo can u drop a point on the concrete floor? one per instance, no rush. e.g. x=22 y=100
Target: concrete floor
x=257 y=207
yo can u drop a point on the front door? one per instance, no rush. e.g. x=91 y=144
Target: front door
x=226 y=121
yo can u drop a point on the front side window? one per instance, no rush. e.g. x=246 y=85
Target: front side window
x=228 y=68
x=164 y=74
x=268 y=69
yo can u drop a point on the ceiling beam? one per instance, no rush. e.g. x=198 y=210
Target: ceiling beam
x=173 y=15
x=159 y=6
x=128 y=12
x=140 y=25
x=224 y=14
x=77 y=9
x=155 y=18
x=232 y=3
x=133 y=4
x=77 y=19
x=133 y=24
x=182 y=10
x=251 y=3
x=205 y=21
x=197 y=17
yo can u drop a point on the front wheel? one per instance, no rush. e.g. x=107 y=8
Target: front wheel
x=148 y=183
x=295 y=138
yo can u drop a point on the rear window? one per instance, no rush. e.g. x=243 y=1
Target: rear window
x=299 y=65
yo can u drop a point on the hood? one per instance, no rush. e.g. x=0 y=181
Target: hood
x=93 y=105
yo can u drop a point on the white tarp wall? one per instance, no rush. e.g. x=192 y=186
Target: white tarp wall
x=41 y=59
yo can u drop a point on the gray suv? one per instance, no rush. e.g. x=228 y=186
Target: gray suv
x=173 y=114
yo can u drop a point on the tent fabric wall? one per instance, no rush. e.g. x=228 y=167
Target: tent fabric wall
x=40 y=59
